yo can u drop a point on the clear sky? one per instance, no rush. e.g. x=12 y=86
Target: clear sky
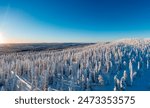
x=73 y=20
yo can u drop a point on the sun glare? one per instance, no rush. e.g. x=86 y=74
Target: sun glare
x=2 y=39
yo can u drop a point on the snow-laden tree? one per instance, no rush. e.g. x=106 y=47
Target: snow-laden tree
x=116 y=83
x=79 y=68
x=123 y=81
x=101 y=80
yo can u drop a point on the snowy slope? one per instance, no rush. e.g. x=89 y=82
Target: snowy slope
x=119 y=65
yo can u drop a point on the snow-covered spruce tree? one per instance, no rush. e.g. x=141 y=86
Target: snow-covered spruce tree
x=88 y=85
x=123 y=81
x=116 y=83
x=33 y=77
x=101 y=80
x=131 y=72
x=105 y=59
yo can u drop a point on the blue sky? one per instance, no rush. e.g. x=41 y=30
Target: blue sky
x=73 y=20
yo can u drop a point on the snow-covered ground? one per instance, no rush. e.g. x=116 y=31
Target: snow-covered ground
x=119 y=65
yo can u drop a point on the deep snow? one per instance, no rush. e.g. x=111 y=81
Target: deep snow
x=119 y=65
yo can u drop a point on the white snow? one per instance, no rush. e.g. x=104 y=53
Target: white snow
x=118 y=65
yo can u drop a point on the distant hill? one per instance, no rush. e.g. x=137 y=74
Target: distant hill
x=9 y=48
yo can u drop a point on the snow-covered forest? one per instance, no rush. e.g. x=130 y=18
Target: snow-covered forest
x=119 y=65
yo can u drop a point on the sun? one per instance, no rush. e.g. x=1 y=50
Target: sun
x=2 y=39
